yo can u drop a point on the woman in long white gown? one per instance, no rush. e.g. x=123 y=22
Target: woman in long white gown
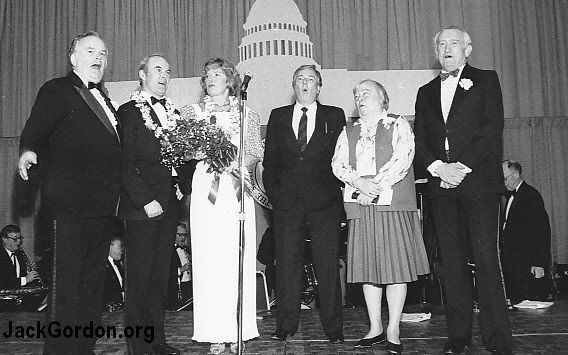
x=214 y=221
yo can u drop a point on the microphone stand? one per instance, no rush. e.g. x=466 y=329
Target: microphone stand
x=242 y=108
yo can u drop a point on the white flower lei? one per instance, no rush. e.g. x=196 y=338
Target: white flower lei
x=234 y=116
x=144 y=107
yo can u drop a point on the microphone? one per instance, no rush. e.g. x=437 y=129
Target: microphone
x=246 y=80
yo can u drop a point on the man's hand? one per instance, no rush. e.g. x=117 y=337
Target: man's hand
x=153 y=209
x=27 y=159
x=364 y=200
x=367 y=187
x=537 y=271
x=31 y=276
x=451 y=173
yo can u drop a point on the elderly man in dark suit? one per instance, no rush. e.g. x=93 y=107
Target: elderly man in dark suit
x=73 y=134
x=150 y=204
x=459 y=129
x=525 y=237
x=306 y=196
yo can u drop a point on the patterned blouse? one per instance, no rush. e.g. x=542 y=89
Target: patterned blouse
x=391 y=172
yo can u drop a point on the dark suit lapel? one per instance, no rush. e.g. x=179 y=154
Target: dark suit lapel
x=93 y=104
x=154 y=116
x=436 y=98
x=287 y=126
x=319 y=128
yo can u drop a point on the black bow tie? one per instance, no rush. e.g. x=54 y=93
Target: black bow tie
x=91 y=85
x=162 y=101
x=453 y=73
x=511 y=193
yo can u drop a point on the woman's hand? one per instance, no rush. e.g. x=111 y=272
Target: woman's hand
x=364 y=200
x=367 y=186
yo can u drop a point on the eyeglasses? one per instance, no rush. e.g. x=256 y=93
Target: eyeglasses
x=15 y=239
x=182 y=234
x=507 y=177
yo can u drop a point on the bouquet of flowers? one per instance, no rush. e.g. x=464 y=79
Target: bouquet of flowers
x=191 y=138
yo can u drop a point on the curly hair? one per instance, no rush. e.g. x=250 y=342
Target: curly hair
x=233 y=77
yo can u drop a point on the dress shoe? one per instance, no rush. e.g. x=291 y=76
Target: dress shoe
x=165 y=349
x=367 y=343
x=501 y=352
x=456 y=345
x=393 y=348
x=280 y=335
x=336 y=338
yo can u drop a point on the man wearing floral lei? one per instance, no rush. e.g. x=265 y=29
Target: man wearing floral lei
x=214 y=215
x=149 y=203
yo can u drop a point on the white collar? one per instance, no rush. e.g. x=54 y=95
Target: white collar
x=311 y=107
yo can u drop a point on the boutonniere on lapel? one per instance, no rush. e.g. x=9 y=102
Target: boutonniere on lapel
x=466 y=83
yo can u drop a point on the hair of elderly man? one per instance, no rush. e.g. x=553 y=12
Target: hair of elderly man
x=233 y=77
x=380 y=89
x=514 y=165
x=465 y=35
x=10 y=228
x=307 y=66
x=80 y=37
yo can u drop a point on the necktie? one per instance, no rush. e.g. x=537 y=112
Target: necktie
x=91 y=85
x=446 y=75
x=162 y=101
x=303 y=130
x=14 y=262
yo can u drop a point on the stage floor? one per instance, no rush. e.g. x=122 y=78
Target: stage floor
x=535 y=332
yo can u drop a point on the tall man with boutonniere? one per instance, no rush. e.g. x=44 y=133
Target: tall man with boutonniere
x=72 y=135
x=459 y=136
x=149 y=204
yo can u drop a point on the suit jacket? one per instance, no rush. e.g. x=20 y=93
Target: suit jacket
x=144 y=177
x=174 y=277
x=474 y=129
x=288 y=173
x=8 y=279
x=526 y=237
x=78 y=150
x=113 y=290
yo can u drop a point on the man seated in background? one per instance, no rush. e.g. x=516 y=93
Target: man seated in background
x=114 y=277
x=180 y=288
x=14 y=264
x=525 y=239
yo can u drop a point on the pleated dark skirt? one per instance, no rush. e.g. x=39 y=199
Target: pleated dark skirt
x=385 y=247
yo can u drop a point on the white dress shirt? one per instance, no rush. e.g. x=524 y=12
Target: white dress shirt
x=311 y=113
x=100 y=99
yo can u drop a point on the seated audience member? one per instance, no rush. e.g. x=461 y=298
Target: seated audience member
x=13 y=260
x=114 y=277
x=525 y=239
x=180 y=289
x=14 y=264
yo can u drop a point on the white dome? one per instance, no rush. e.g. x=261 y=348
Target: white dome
x=274 y=11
